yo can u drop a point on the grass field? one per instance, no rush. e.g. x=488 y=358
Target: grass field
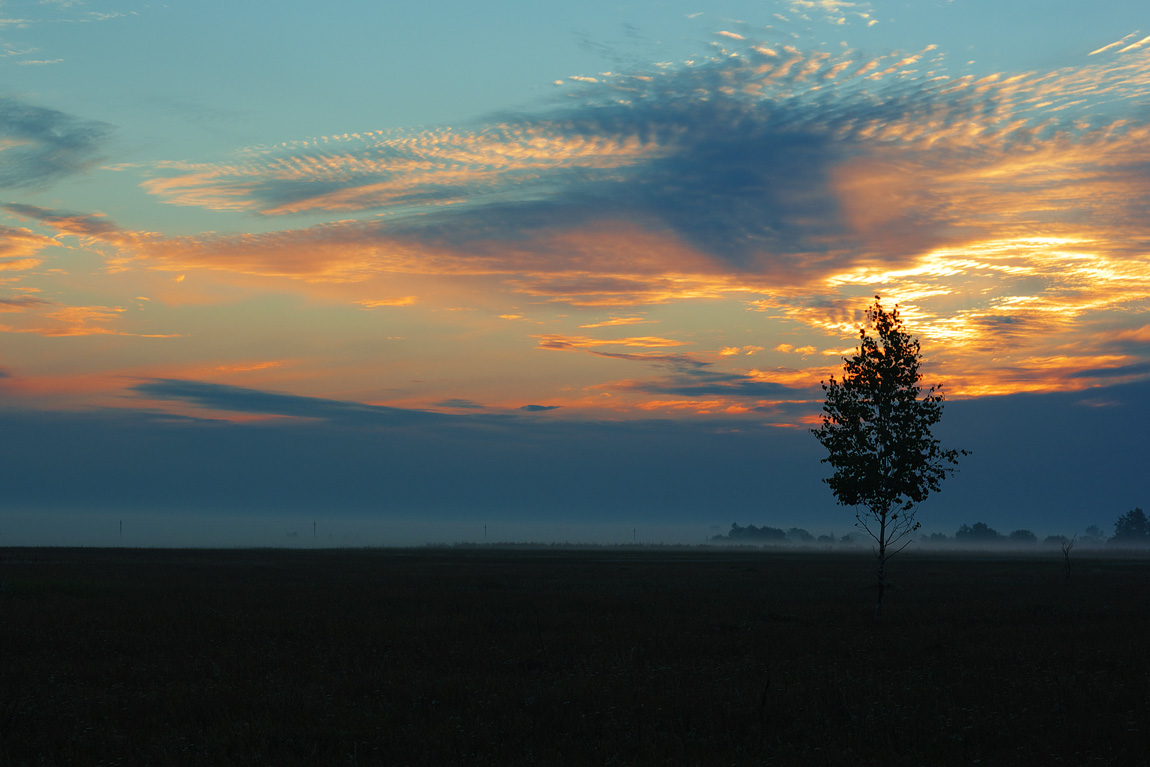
x=564 y=657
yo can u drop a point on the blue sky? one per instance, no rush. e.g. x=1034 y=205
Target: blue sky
x=574 y=271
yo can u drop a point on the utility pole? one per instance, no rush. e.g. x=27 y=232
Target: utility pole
x=313 y=531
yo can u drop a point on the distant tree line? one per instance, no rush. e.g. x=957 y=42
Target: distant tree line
x=1131 y=529
x=752 y=534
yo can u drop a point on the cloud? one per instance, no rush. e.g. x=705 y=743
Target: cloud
x=460 y=404
x=370 y=170
x=1138 y=370
x=55 y=320
x=39 y=146
x=236 y=399
x=87 y=225
x=1132 y=339
x=375 y=303
x=834 y=11
x=576 y=266
x=539 y=408
x=17 y=245
x=676 y=360
x=1003 y=212
x=565 y=343
x=745 y=159
x=247 y=367
x=44 y=317
x=617 y=321
x=687 y=376
x=22 y=303
x=707 y=383
x=18 y=264
x=736 y=175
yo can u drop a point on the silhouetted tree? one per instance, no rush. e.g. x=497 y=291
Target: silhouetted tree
x=799 y=535
x=877 y=431
x=751 y=534
x=1132 y=527
x=1022 y=537
x=1066 y=547
x=1094 y=534
x=1055 y=540
x=979 y=532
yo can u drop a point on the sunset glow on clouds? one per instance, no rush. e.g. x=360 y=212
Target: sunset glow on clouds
x=699 y=234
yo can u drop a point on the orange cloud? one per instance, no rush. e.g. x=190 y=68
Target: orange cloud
x=730 y=351
x=19 y=264
x=617 y=321
x=54 y=320
x=554 y=341
x=20 y=249
x=246 y=367
x=701 y=407
x=1004 y=216
x=379 y=169
x=582 y=267
x=375 y=303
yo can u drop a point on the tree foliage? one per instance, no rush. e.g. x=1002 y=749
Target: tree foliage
x=1022 y=537
x=979 y=532
x=1132 y=527
x=1093 y=535
x=876 y=428
x=799 y=535
x=750 y=533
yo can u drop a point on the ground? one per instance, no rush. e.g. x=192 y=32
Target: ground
x=486 y=655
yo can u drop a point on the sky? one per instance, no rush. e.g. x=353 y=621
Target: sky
x=386 y=273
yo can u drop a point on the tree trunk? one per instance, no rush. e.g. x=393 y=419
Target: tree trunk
x=881 y=568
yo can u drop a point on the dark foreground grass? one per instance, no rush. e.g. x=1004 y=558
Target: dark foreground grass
x=501 y=657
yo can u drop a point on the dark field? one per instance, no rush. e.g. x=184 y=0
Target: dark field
x=487 y=656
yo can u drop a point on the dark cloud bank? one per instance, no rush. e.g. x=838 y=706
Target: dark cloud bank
x=1052 y=463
